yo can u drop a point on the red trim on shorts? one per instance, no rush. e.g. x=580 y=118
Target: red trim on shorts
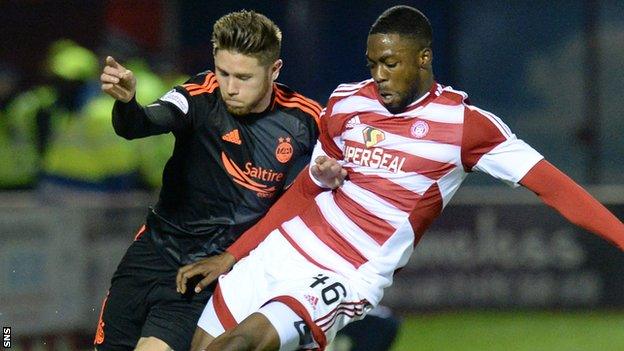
x=300 y=250
x=223 y=312
x=140 y=232
x=99 y=333
x=301 y=311
x=350 y=309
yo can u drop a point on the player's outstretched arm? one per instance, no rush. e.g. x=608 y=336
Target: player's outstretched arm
x=567 y=197
x=118 y=81
x=210 y=268
x=296 y=198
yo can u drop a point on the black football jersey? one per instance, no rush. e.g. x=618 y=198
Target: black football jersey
x=225 y=171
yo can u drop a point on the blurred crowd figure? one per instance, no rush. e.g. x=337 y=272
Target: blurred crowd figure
x=57 y=135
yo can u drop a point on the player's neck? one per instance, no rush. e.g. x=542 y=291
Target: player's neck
x=264 y=103
x=425 y=86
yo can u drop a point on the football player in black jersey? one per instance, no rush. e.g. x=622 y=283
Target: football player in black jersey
x=240 y=139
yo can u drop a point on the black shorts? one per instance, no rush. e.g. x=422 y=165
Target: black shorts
x=143 y=301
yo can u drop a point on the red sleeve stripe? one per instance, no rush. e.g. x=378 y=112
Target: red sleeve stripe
x=208 y=80
x=299 y=101
x=290 y=97
x=209 y=85
x=377 y=228
x=140 y=232
x=296 y=96
x=303 y=108
x=207 y=90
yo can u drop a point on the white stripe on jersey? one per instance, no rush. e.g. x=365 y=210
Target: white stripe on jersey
x=432 y=112
x=449 y=184
x=357 y=104
x=510 y=170
x=441 y=113
x=315 y=248
x=339 y=143
x=374 y=204
x=347 y=87
x=458 y=92
x=342 y=224
x=411 y=181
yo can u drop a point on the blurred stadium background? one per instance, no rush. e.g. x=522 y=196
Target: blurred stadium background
x=498 y=270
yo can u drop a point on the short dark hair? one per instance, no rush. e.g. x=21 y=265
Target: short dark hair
x=249 y=33
x=404 y=20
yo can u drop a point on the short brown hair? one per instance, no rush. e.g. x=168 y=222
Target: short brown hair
x=248 y=33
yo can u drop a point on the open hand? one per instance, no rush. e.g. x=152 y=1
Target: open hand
x=328 y=171
x=118 y=81
x=211 y=268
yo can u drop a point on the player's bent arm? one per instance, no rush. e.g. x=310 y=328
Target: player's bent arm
x=295 y=199
x=560 y=192
x=131 y=121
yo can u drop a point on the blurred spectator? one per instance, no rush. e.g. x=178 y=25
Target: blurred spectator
x=22 y=123
x=83 y=152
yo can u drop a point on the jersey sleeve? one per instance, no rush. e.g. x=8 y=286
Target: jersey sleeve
x=489 y=146
x=170 y=113
x=560 y=192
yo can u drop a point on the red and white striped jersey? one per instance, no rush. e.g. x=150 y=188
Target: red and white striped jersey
x=402 y=170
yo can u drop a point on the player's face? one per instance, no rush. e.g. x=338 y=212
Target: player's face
x=398 y=66
x=245 y=84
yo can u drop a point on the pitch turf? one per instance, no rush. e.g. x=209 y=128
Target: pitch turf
x=513 y=331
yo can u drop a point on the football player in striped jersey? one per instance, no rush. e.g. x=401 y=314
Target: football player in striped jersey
x=407 y=143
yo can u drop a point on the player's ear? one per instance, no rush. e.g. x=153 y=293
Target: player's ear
x=425 y=56
x=276 y=68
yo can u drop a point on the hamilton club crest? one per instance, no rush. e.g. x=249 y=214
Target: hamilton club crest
x=284 y=150
x=419 y=129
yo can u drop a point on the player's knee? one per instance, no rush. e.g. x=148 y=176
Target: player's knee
x=233 y=342
x=201 y=340
x=241 y=342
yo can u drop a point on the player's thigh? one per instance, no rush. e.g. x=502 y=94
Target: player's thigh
x=254 y=332
x=125 y=307
x=308 y=311
x=152 y=344
x=173 y=317
x=201 y=340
